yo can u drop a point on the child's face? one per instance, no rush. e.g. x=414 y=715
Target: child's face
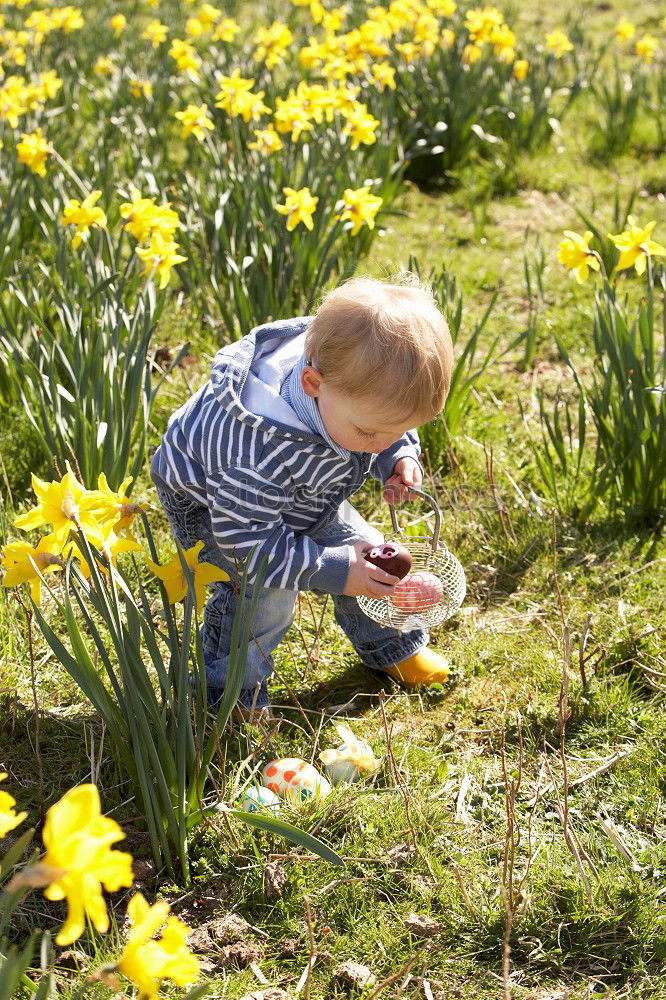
x=353 y=423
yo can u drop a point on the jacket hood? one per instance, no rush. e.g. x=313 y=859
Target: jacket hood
x=246 y=376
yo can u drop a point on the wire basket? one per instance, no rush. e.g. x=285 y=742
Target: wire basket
x=429 y=555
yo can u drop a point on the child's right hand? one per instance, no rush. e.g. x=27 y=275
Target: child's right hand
x=365 y=579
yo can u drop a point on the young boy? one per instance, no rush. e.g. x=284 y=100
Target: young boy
x=296 y=415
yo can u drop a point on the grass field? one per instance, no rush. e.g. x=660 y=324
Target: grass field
x=519 y=810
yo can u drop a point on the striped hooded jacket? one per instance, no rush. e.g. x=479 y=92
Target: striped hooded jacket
x=250 y=446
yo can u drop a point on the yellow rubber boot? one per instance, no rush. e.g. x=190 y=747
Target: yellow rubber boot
x=425 y=667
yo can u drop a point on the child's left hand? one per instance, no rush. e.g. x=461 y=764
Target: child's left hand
x=406 y=473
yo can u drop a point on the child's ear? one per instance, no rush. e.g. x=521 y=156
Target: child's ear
x=311 y=380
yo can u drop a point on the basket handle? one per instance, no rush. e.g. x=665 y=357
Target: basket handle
x=438 y=515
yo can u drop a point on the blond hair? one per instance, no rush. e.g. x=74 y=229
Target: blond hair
x=385 y=341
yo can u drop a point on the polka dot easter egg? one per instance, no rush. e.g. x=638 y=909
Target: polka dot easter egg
x=259 y=799
x=294 y=779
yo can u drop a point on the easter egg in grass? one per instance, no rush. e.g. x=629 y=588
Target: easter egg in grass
x=417 y=592
x=391 y=557
x=350 y=760
x=256 y=798
x=294 y=779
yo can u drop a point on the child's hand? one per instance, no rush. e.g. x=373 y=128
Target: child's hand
x=406 y=473
x=365 y=579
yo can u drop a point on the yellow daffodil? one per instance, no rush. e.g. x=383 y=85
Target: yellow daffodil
x=237 y=98
x=145 y=217
x=558 y=43
x=481 y=21
x=332 y=20
x=625 y=30
x=9 y=818
x=83 y=215
x=447 y=38
x=209 y=15
x=161 y=256
x=521 y=68
x=647 y=47
x=360 y=127
x=172 y=576
x=575 y=254
x=155 y=32
x=21 y=561
x=272 y=43
x=194 y=27
x=298 y=207
x=443 y=8
x=68 y=18
x=409 y=51
x=267 y=141
x=503 y=42
x=64 y=505
x=234 y=84
x=147 y=962
x=104 y=66
x=49 y=84
x=635 y=246
x=13 y=100
x=291 y=116
x=186 y=57
x=115 y=506
x=111 y=546
x=226 y=30
x=383 y=75
x=471 y=54
x=141 y=88
x=311 y=55
x=118 y=23
x=195 y=120
x=78 y=843
x=360 y=207
x=33 y=150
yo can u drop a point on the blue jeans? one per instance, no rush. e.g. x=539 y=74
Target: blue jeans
x=377 y=646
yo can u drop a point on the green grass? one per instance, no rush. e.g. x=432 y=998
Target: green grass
x=506 y=647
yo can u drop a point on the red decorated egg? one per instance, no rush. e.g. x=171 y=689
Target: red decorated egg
x=417 y=592
x=391 y=557
x=294 y=779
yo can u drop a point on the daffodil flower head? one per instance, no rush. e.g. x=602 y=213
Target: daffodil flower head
x=195 y=119
x=111 y=546
x=147 y=962
x=9 y=818
x=575 y=254
x=635 y=246
x=83 y=215
x=33 y=150
x=558 y=43
x=115 y=506
x=65 y=505
x=144 y=217
x=299 y=206
x=22 y=562
x=160 y=256
x=360 y=207
x=361 y=127
x=173 y=577
x=78 y=841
